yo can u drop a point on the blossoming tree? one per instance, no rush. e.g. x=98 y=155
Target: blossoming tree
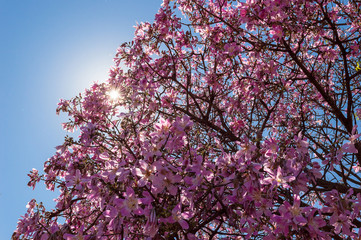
x=222 y=119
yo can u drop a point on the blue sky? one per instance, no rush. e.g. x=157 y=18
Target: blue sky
x=50 y=49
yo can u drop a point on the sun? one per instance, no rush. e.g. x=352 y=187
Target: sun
x=113 y=94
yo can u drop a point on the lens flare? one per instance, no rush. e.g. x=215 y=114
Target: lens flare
x=113 y=94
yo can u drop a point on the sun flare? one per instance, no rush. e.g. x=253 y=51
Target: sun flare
x=113 y=94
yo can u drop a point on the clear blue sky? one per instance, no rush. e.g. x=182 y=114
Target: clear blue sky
x=50 y=49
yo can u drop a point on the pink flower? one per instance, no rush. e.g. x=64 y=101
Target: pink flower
x=165 y=180
x=278 y=178
x=151 y=227
x=314 y=173
x=272 y=148
x=31 y=205
x=243 y=12
x=294 y=212
x=314 y=223
x=341 y=222
x=75 y=180
x=302 y=144
x=131 y=203
x=145 y=172
x=77 y=236
x=179 y=217
x=34 y=178
x=348 y=148
x=277 y=32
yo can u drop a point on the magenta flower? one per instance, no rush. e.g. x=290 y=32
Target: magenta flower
x=131 y=203
x=151 y=227
x=276 y=32
x=348 y=148
x=341 y=223
x=302 y=144
x=145 y=172
x=76 y=180
x=34 y=178
x=294 y=213
x=278 y=178
x=272 y=148
x=179 y=217
x=314 y=223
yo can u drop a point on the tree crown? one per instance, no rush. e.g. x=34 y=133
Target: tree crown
x=221 y=119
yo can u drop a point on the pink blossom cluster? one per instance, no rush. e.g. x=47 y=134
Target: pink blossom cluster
x=234 y=120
